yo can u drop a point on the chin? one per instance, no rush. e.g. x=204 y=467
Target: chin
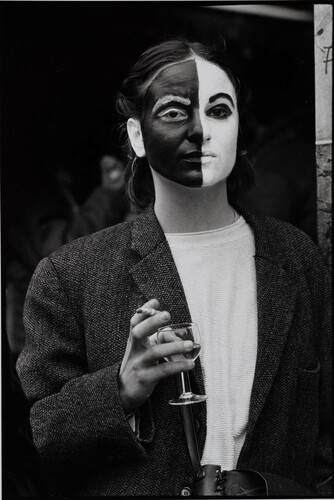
x=209 y=182
x=212 y=177
x=193 y=180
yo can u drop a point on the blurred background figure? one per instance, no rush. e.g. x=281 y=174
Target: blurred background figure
x=112 y=171
x=51 y=219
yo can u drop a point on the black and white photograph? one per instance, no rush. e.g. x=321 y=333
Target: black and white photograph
x=166 y=249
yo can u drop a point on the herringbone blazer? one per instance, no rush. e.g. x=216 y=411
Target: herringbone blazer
x=77 y=315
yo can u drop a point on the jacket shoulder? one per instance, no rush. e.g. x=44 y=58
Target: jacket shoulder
x=112 y=238
x=296 y=247
x=288 y=234
x=90 y=256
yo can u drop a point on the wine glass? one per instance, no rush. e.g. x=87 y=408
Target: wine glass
x=177 y=333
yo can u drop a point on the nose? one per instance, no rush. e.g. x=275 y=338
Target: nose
x=198 y=130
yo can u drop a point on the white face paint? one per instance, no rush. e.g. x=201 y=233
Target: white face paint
x=220 y=122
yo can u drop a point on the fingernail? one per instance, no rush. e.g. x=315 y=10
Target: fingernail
x=165 y=316
x=188 y=344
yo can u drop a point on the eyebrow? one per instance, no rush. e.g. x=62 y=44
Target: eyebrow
x=221 y=94
x=170 y=98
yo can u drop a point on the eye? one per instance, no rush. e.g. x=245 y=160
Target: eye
x=173 y=115
x=220 y=111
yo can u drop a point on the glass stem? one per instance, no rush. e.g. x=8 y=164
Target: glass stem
x=185 y=385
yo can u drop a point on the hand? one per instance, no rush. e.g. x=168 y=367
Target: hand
x=140 y=370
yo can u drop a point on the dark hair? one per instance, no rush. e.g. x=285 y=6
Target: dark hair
x=130 y=104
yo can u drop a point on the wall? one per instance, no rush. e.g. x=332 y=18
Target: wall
x=323 y=17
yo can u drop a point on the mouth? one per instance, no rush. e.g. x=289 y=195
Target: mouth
x=199 y=157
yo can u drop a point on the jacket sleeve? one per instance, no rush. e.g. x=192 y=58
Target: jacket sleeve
x=77 y=418
x=279 y=486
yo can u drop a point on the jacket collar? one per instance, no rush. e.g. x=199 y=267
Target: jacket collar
x=266 y=239
x=156 y=276
x=147 y=235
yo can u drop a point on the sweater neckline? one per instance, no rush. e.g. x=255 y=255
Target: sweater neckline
x=212 y=237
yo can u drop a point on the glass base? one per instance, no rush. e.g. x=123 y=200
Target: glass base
x=188 y=400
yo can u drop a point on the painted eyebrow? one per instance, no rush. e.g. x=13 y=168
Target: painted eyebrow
x=221 y=94
x=170 y=98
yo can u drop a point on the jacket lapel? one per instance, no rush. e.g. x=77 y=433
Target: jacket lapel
x=156 y=275
x=276 y=296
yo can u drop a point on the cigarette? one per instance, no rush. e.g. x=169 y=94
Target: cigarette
x=148 y=311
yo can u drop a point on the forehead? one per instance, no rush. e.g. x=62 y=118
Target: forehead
x=192 y=78
x=178 y=79
x=213 y=79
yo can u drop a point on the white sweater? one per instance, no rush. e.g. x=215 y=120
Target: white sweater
x=217 y=270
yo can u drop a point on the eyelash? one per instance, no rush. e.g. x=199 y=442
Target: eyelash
x=183 y=114
x=220 y=107
x=164 y=114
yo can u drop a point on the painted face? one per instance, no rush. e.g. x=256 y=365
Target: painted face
x=190 y=124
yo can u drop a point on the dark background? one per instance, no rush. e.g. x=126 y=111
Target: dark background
x=63 y=63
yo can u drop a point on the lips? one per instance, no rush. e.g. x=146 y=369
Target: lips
x=198 y=156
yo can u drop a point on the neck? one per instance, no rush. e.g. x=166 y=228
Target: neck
x=182 y=209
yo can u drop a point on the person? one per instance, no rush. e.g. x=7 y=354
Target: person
x=92 y=367
x=50 y=221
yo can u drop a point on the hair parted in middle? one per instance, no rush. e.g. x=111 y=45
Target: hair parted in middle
x=130 y=104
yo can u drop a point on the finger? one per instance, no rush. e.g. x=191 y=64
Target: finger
x=167 y=335
x=151 y=305
x=162 y=336
x=163 y=370
x=147 y=311
x=154 y=339
x=149 y=325
x=177 y=350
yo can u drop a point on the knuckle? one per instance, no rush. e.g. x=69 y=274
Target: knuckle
x=156 y=351
x=135 y=333
x=135 y=367
x=142 y=378
x=168 y=368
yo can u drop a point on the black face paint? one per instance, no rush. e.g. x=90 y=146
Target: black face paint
x=171 y=126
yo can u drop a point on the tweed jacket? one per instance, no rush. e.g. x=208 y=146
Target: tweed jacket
x=77 y=315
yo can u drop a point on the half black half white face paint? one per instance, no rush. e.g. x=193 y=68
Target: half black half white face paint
x=190 y=123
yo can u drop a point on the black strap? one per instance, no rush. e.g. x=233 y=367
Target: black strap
x=189 y=430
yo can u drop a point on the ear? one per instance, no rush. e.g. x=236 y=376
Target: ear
x=136 y=137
